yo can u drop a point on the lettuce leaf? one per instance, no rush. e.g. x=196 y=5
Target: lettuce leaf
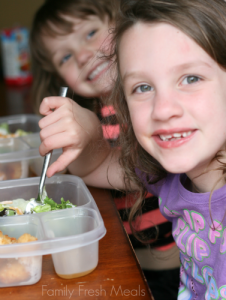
x=4 y=128
x=50 y=204
x=21 y=132
x=42 y=208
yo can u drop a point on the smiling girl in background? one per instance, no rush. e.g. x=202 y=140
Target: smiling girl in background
x=69 y=43
x=170 y=99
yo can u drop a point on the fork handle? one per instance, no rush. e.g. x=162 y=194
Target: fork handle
x=62 y=93
x=43 y=175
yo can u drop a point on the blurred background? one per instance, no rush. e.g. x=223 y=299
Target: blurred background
x=17 y=13
x=15 y=94
x=14 y=12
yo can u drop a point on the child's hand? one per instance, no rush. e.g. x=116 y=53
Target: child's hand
x=70 y=127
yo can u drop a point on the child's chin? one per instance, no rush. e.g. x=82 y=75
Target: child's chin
x=176 y=168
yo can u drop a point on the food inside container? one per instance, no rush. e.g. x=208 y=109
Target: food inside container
x=69 y=187
x=13 y=170
x=19 y=149
x=18 y=206
x=13 y=270
x=10 y=166
x=70 y=235
x=24 y=238
x=5 y=131
x=17 y=269
x=22 y=124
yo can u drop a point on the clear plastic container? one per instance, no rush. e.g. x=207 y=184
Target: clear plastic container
x=71 y=235
x=17 y=269
x=20 y=155
x=78 y=224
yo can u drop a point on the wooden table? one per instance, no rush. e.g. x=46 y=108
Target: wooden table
x=118 y=274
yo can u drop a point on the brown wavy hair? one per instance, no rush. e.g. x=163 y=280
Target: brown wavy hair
x=204 y=21
x=46 y=80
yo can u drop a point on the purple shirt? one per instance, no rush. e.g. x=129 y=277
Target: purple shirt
x=202 y=249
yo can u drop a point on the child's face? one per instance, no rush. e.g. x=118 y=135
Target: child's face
x=176 y=95
x=75 y=56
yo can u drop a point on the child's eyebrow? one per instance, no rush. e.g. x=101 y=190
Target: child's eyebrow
x=133 y=74
x=177 y=68
x=78 y=25
x=189 y=65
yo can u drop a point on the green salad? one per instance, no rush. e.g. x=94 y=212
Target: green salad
x=5 y=132
x=50 y=204
x=18 y=206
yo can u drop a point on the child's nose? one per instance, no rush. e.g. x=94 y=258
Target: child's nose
x=166 y=106
x=83 y=56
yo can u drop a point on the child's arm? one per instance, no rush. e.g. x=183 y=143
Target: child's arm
x=75 y=129
x=108 y=174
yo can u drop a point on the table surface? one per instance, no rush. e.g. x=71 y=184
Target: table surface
x=118 y=273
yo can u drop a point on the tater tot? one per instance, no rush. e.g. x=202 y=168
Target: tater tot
x=25 y=238
x=5 y=240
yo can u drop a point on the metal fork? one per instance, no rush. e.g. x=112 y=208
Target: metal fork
x=39 y=201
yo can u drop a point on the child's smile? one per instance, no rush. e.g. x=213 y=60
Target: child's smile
x=173 y=138
x=176 y=95
x=97 y=71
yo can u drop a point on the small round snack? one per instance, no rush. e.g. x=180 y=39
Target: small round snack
x=25 y=238
x=6 y=240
